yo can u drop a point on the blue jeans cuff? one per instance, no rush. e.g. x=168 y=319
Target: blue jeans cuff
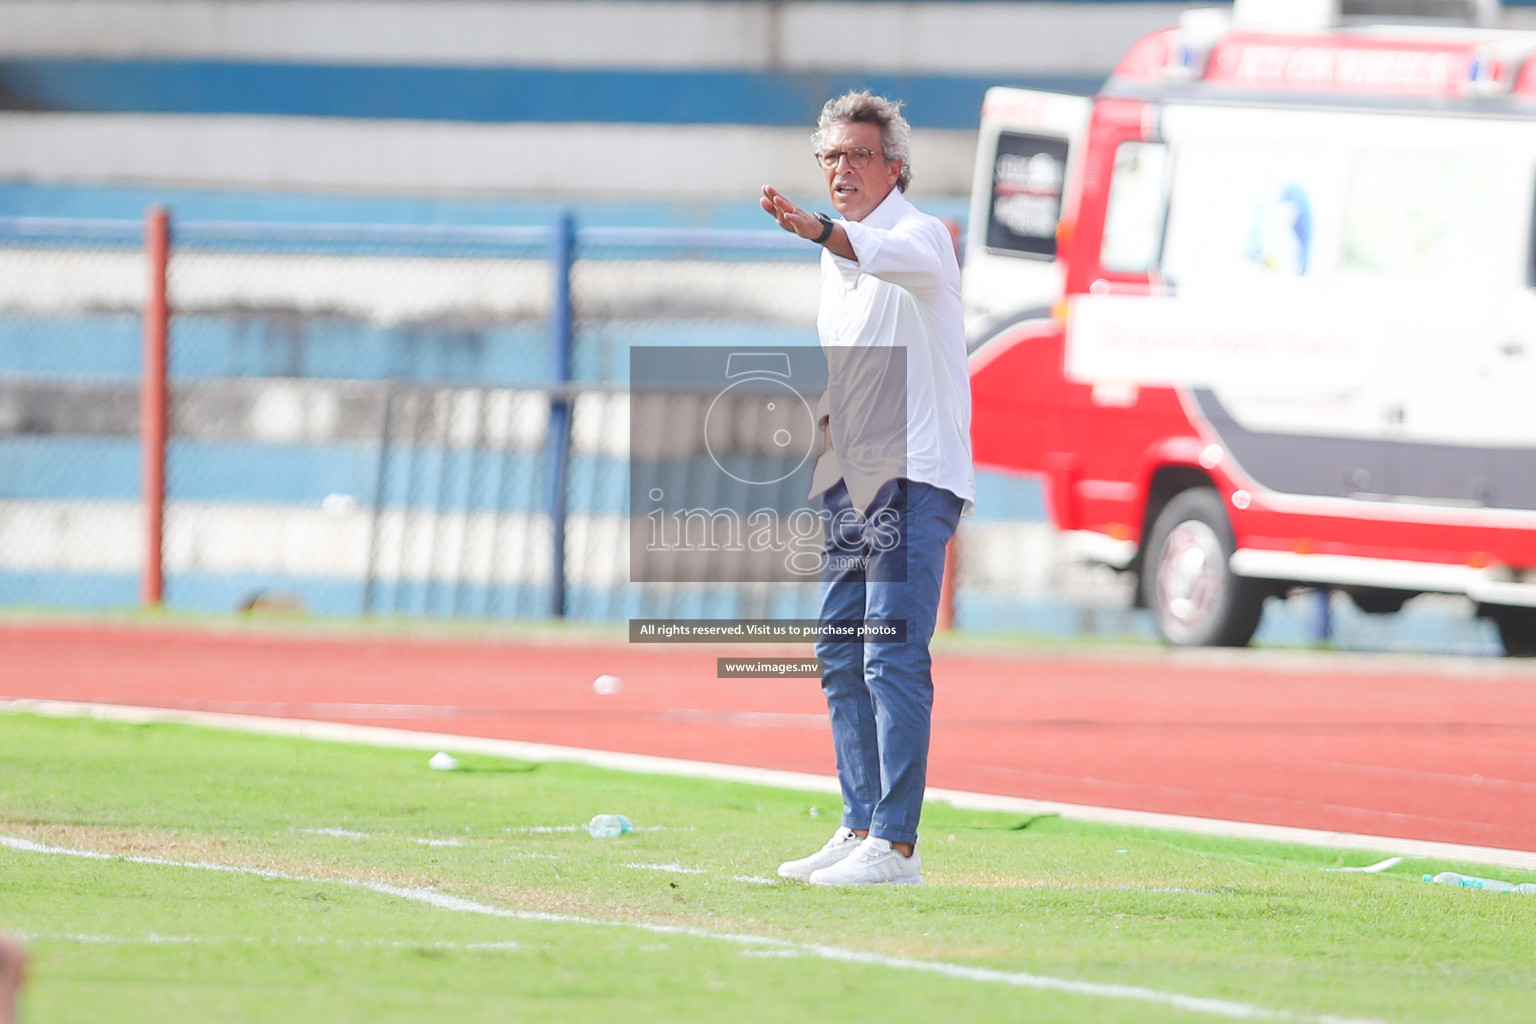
x=892 y=836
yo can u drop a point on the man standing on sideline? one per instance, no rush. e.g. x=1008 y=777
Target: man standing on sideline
x=894 y=479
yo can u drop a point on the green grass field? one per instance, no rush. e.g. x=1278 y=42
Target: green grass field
x=370 y=888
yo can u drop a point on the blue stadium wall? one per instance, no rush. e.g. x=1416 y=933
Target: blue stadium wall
x=505 y=104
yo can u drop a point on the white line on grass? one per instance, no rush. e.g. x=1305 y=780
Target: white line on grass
x=347 y=833
x=152 y=939
x=676 y=869
x=446 y=901
x=548 y=829
x=379 y=736
x=543 y=829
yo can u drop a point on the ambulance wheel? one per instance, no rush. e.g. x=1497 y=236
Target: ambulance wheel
x=1186 y=578
x=1517 y=629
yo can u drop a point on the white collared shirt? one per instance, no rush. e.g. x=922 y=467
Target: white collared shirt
x=903 y=292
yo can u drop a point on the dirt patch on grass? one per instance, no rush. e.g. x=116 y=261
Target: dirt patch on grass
x=252 y=854
x=192 y=848
x=593 y=904
x=121 y=842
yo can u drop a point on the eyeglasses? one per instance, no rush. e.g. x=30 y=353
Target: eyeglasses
x=858 y=157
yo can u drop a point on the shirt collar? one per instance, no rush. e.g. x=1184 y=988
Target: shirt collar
x=888 y=212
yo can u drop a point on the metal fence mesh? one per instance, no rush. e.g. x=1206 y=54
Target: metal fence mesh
x=70 y=350
x=459 y=524
x=635 y=287
x=346 y=431
x=368 y=420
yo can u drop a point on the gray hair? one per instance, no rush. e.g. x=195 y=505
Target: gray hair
x=859 y=107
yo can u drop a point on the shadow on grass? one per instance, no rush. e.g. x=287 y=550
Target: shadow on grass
x=1016 y=827
x=499 y=769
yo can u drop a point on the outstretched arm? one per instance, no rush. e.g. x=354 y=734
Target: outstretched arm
x=799 y=222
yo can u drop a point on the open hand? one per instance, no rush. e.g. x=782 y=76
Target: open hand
x=789 y=216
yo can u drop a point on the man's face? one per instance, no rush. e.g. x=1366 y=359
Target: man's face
x=856 y=191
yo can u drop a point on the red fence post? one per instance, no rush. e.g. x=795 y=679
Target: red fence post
x=152 y=405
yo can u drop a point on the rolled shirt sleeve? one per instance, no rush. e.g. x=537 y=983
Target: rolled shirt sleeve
x=910 y=255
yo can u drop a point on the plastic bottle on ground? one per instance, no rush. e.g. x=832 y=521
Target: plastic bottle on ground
x=1486 y=884
x=607 y=826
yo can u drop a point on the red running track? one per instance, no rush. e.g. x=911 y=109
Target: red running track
x=1426 y=748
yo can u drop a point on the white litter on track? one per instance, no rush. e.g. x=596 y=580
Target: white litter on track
x=1226 y=1008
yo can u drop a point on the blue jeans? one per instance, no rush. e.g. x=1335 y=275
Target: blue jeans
x=879 y=693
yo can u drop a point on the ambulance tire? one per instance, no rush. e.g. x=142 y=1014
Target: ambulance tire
x=1517 y=629
x=1186 y=578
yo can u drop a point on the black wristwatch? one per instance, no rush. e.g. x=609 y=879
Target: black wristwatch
x=826 y=229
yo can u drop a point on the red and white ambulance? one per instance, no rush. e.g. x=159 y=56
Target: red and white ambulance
x=1296 y=339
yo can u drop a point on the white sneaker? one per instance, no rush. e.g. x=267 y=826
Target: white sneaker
x=843 y=842
x=873 y=863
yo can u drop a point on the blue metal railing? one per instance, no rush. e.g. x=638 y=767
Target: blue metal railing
x=107 y=336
